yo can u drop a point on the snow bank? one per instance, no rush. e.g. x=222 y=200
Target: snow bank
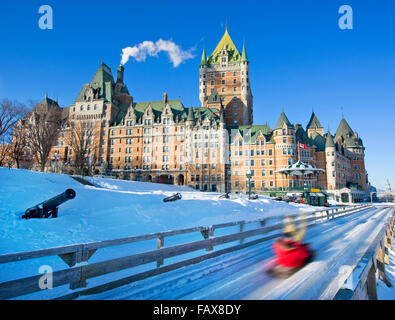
x=115 y=209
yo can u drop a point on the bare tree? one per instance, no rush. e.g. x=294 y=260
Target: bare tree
x=5 y=149
x=43 y=129
x=82 y=143
x=10 y=113
x=19 y=145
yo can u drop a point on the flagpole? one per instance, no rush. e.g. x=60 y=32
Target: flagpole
x=298 y=151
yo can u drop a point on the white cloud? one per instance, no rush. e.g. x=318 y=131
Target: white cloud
x=148 y=48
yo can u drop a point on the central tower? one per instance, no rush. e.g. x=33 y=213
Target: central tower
x=225 y=82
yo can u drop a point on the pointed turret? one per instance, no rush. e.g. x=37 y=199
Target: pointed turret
x=244 y=54
x=329 y=143
x=204 y=58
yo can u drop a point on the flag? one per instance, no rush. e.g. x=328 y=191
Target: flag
x=303 y=146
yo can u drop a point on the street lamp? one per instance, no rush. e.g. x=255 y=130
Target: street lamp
x=371 y=196
x=248 y=174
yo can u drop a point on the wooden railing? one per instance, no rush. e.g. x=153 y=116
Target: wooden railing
x=78 y=255
x=362 y=283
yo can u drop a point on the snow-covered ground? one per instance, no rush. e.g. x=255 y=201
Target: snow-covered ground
x=113 y=209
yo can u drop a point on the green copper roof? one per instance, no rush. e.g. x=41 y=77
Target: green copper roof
x=179 y=112
x=302 y=136
x=214 y=97
x=204 y=58
x=329 y=141
x=234 y=55
x=344 y=129
x=102 y=80
x=283 y=119
x=244 y=54
x=157 y=108
x=314 y=123
x=254 y=130
x=318 y=141
x=346 y=135
x=191 y=116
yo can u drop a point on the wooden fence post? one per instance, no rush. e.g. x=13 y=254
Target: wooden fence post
x=241 y=230
x=207 y=234
x=78 y=256
x=381 y=265
x=371 y=283
x=160 y=244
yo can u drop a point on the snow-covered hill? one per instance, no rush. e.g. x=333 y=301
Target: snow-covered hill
x=114 y=209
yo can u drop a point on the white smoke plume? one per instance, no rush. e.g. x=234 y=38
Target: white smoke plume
x=139 y=52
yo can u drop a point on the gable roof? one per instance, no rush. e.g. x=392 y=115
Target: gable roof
x=254 y=131
x=214 y=97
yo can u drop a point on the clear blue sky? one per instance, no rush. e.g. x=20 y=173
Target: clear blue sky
x=300 y=59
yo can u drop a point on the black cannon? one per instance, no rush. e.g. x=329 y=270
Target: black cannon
x=224 y=196
x=174 y=197
x=50 y=207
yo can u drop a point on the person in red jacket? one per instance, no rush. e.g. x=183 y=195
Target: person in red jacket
x=291 y=254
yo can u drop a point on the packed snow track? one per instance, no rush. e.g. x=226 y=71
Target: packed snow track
x=338 y=244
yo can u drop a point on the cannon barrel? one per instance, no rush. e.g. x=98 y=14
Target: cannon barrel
x=59 y=199
x=49 y=207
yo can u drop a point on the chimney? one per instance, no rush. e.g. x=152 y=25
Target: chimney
x=120 y=74
x=165 y=98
